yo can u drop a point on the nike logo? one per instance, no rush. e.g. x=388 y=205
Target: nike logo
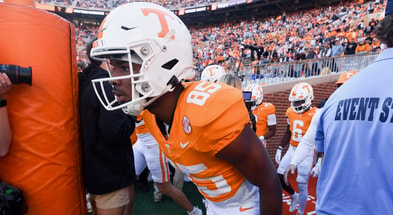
x=241 y=209
x=184 y=145
x=127 y=28
x=149 y=147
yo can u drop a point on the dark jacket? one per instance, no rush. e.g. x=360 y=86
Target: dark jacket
x=108 y=159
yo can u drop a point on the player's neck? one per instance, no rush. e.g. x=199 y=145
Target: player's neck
x=165 y=106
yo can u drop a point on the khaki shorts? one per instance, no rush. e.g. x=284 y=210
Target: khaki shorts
x=116 y=199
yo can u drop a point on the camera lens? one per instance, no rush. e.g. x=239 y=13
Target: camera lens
x=17 y=74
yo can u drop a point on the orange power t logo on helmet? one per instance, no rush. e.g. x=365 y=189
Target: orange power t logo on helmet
x=294 y=90
x=161 y=16
x=307 y=88
x=100 y=30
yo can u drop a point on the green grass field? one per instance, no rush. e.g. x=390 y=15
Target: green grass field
x=144 y=204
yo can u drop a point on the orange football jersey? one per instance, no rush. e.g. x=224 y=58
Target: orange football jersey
x=208 y=117
x=299 y=124
x=261 y=113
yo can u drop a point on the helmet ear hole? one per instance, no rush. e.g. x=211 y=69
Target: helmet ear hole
x=170 y=64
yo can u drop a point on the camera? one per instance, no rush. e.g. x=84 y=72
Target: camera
x=17 y=74
x=247 y=99
x=247 y=95
x=249 y=103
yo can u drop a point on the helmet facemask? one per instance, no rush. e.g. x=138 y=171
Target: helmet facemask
x=141 y=91
x=301 y=106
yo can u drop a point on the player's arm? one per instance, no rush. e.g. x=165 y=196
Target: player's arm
x=284 y=142
x=285 y=138
x=271 y=132
x=316 y=170
x=5 y=130
x=250 y=157
x=271 y=126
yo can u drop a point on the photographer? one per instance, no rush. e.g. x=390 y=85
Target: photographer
x=5 y=130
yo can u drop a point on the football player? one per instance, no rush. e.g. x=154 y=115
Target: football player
x=308 y=141
x=265 y=113
x=147 y=153
x=212 y=73
x=299 y=116
x=203 y=125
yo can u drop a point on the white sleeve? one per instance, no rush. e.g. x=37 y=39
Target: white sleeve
x=308 y=141
x=271 y=119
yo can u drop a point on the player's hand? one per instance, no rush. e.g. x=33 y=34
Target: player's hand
x=278 y=155
x=290 y=170
x=5 y=84
x=316 y=170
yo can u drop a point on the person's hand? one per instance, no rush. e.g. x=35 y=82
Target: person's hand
x=278 y=155
x=5 y=84
x=290 y=170
x=316 y=170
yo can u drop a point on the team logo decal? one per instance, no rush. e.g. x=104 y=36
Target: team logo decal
x=186 y=125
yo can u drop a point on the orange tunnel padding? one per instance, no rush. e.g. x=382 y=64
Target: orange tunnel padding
x=44 y=160
x=21 y=2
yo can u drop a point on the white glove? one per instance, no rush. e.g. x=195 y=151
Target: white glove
x=278 y=154
x=316 y=169
x=262 y=138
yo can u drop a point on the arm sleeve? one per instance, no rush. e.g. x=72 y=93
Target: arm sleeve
x=308 y=141
x=320 y=135
x=271 y=119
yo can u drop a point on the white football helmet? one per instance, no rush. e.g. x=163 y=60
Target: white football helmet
x=152 y=36
x=256 y=94
x=212 y=73
x=301 y=97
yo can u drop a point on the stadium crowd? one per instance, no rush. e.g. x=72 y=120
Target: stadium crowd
x=303 y=35
x=110 y=4
x=289 y=37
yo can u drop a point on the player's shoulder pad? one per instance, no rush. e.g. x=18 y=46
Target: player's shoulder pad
x=289 y=110
x=313 y=110
x=268 y=105
x=215 y=99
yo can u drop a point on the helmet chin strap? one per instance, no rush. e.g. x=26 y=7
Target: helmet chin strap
x=133 y=109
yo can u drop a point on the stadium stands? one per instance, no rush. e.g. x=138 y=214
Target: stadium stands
x=251 y=45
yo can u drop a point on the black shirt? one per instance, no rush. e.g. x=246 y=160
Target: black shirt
x=108 y=159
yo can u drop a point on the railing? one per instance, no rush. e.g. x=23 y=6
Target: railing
x=286 y=71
